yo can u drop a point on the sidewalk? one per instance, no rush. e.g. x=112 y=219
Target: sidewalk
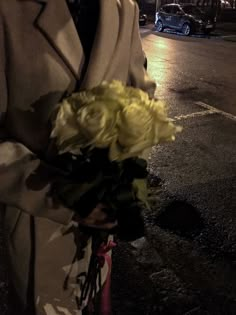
x=221 y=27
x=227 y=31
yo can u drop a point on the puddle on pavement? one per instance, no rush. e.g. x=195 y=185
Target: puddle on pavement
x=181 y=218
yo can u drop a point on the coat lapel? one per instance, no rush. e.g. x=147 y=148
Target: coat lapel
x=55 y=22
x=104 y=43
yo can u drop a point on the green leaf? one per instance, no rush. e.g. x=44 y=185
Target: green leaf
x=71 y=193
x=141 y=192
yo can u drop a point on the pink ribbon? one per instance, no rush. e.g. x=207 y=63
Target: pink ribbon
x=102 y=253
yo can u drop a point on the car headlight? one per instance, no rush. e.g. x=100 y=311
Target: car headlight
x=200 y=21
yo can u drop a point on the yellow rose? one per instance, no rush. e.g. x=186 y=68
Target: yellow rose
x=97 y=122
x=65 y=124
x=134 y=132
x=141 y=125
x=111 y=115
x=110 y=89
x=114 y=91
x=163 y=128
x=136 y=95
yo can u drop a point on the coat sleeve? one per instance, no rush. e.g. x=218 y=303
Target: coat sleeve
x=19 y=166
x=138 y=76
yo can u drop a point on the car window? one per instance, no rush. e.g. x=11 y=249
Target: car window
x=175 y=9
x=192 y=10
x=166 y=9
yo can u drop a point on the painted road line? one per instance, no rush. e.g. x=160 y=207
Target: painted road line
x=193 y=115
x=226 y=36
x=216 y=111
x=230 y=38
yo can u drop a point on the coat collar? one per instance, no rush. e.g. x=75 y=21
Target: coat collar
x=56 y=24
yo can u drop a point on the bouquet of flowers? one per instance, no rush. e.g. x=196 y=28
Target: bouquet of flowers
x=102 y=136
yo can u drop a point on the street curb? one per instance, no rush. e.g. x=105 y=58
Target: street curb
x=229 y=38
x=221 y=29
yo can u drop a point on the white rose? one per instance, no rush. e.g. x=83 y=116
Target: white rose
x=97 y=122
x=65 y=124
x=110 y=89
x=134 y=132
x=164 y=129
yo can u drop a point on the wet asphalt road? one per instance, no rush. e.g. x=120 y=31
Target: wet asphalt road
x=186 y=265
x=192 y=69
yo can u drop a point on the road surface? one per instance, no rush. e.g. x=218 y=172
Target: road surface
x=187 y=262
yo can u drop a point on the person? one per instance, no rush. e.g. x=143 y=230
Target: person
x=49 y=49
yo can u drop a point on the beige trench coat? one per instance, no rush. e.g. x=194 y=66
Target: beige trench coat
x=41 y=59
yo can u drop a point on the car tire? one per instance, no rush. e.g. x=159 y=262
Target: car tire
x=159 y=26
x=186 y=29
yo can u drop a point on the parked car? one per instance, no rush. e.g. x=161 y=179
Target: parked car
x=187 y=18
x=142 y=19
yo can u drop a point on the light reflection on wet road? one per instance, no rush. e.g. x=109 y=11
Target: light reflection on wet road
x=189 y=69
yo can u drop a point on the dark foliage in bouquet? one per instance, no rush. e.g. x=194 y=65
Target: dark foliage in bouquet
x=95 y=179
